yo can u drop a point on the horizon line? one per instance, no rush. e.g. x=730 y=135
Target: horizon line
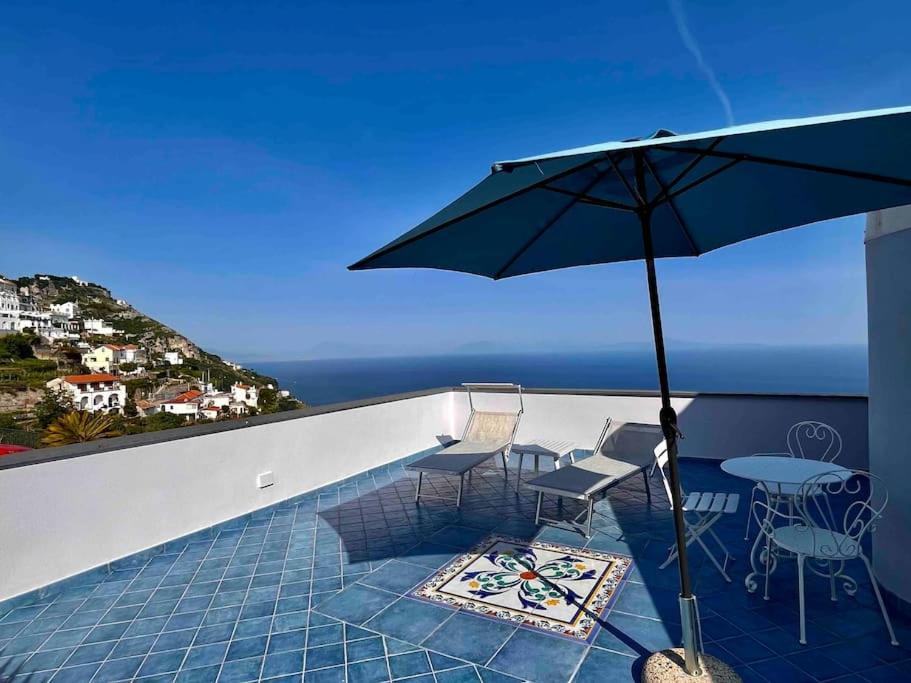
x=616 y=348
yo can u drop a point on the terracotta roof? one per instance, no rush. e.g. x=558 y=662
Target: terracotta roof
x=85 y=379
x=186 y=396
x=215 y=408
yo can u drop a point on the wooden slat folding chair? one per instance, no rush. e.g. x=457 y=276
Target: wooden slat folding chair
x=701 y=511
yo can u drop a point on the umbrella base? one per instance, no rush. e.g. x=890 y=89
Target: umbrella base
x=667 y=667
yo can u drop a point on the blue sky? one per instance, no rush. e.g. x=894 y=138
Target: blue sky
x=219 y=164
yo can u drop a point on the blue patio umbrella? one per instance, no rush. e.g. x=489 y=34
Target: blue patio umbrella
x=667 y=195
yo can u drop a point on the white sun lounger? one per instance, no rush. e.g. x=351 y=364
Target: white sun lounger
x=487 y=434
x=623 y=450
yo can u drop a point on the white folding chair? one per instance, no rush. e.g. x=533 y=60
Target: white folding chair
x=834 y=513
x=700 y=513
x=809 y=439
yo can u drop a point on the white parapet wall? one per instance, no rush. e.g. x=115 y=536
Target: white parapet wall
x=71 y=509
x=65 y=516
x=714 y=426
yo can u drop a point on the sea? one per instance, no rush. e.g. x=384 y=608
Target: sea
x=804 y=370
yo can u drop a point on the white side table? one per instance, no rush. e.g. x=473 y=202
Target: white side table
x=543 y=448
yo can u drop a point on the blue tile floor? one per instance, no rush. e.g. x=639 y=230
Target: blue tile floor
x=314 y=589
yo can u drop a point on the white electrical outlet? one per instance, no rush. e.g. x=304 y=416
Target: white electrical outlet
x=265 y=479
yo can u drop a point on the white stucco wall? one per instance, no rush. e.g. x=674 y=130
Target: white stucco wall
x=64 y=517
x=888 y=250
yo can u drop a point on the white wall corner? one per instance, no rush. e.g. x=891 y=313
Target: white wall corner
x=887 y=221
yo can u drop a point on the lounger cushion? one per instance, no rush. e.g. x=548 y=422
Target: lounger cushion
x=460 y=457
x=486 y=426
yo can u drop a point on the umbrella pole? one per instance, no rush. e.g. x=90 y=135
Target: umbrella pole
x=689 y=619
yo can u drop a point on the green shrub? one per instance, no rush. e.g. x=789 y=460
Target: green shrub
x=52 y=406
x=160 y=421
x=17 y=346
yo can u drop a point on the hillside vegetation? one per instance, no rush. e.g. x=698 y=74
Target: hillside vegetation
x=28 y=407
x=134 y=327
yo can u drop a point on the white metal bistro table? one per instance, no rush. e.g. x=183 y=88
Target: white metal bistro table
x=543 y=448
x=780 y=477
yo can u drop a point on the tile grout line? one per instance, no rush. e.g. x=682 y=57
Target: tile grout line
x=183 y=595
x=132 y=621
x=278 y=591
x=58 y=629
x=386 y=658
x=312 y=557
x=310 y=606
x=93 y=626
x=344 y=628
x=578 y=665
x=440 y=625
x=244 y=602
x=502 y=645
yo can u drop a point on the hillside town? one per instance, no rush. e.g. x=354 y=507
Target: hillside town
x=67 y=346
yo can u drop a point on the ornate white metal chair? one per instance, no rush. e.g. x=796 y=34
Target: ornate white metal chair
x=808 y=439
x=701 y=512
x=833 y=515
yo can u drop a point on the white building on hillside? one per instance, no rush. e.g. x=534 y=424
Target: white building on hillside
x=20 y=312
x=63 y=322
x=173 y=358
x=219 y=400
x=211 y=412
x=97 y=326
x=101 y=359
x=98 y=392
x=245 y=393
x=187 y=404
x=130 y=353
x=57 y=333
x=9 y=306
x=109 y=357
x=33 y=318
x=70 y=309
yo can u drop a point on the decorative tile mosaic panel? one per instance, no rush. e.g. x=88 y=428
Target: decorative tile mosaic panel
x=554 y=588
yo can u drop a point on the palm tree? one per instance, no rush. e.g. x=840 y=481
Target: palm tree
x=78 y=427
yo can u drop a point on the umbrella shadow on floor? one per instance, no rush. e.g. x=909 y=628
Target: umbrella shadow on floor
x=376 y=520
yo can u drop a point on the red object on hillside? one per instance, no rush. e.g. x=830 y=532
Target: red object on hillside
x=186 y=396
x=86 y=379
x=9 y=449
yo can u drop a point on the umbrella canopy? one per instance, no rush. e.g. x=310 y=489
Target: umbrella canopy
x=706 y=190
x=668 y=195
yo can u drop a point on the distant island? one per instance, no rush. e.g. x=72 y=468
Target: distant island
x=76 y=364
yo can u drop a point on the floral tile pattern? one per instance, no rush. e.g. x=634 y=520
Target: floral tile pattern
x=545 y=586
